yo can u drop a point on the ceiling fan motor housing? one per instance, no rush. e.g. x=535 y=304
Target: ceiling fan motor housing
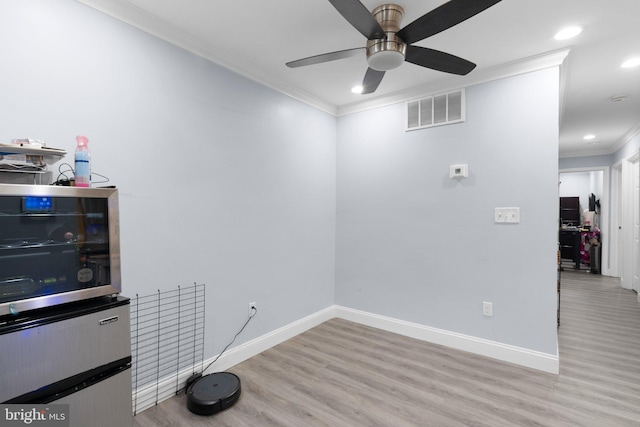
x=387 y=54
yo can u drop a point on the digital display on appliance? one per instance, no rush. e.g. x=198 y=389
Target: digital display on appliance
x=37 y=204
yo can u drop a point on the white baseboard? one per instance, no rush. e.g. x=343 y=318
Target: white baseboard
x=504 y=352
x=265 y=342
x=152 y=394
x=149 y=395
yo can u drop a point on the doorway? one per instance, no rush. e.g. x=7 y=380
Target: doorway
x=582 y=182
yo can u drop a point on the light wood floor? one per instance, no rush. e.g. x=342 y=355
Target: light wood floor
x=344 y=374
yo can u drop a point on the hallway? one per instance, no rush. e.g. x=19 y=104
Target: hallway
x=599 y=339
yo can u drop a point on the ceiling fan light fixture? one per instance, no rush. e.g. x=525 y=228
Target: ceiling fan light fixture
x=589 y=137
x=568 y=33
x=357 y=89
x=387 y=54
x=385 y=60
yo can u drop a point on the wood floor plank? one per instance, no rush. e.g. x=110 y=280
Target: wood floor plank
x=345 y=374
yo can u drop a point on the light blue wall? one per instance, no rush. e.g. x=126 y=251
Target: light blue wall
x=581 y=184
x=222 y=181
x=413 y=244
x=226 y=182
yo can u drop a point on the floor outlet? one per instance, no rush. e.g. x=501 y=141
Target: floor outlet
x=487 y=308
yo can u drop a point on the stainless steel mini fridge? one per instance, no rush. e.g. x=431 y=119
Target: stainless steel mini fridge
x=77 y=354
x=64 y=328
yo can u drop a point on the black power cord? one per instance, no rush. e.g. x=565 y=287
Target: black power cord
x=197 y=375
x=65 y=180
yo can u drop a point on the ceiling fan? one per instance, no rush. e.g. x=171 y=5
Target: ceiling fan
x=388 y=46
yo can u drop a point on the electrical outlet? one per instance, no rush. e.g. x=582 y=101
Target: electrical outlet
x=253 y=309
x=487 y=308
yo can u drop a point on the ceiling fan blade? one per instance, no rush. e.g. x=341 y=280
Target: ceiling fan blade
x=371 y=80
x=359 y=16
x=437 y=60
x=326 y=57
x=443 y=17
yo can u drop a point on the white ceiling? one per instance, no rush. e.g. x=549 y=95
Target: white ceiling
x=256 y=38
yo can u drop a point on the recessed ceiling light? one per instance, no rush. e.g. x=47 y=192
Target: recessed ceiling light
x=589 y=137
x=567 y=33
x=357 y=89
x=633 y=62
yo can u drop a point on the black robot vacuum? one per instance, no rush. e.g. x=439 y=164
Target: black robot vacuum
x=213 y=393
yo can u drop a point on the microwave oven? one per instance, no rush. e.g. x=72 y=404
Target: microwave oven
x=57 y=245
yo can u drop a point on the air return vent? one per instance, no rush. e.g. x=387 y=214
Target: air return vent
x=436 y=110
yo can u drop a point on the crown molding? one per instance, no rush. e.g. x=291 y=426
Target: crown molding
x=526 y=65
x=128 y=13
x=626 y=138
x=140 y=19
x=607 y=150
x=569 y=154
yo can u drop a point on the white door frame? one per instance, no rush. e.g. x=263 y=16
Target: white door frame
x=627 y=220
x=604 y=214
x=635 y=280
x=615 y=241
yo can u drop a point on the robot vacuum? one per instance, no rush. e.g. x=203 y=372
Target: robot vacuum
x=213 y=393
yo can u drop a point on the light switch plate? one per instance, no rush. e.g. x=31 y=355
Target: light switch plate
x=507 y=215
